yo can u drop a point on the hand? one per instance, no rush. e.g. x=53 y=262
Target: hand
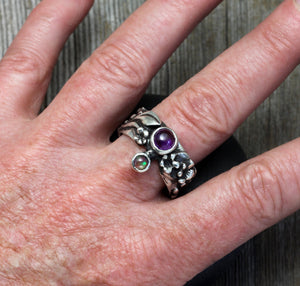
x=72 y=211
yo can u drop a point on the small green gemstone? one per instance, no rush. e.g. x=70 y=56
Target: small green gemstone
x=141 y=162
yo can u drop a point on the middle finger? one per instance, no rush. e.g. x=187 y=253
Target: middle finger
x=110 y=82
x=210 y=106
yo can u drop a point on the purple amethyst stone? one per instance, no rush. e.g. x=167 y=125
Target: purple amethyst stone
x=164 y=139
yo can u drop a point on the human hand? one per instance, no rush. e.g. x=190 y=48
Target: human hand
x=72 y=210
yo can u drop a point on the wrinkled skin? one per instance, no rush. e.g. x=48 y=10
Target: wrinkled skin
x=73 y=212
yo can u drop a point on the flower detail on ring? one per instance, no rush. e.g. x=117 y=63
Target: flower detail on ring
x=142 y=136
x=178 y=165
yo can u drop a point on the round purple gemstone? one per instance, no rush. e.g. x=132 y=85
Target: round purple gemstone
x=164 y=139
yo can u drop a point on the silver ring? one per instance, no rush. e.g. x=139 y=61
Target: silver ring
x=161 y=144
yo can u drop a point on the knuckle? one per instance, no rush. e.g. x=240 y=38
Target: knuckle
x=28 y=60
x=205 y=111
x=120 y=63
x=276 y=41
x=259 y=191
x=28 y=63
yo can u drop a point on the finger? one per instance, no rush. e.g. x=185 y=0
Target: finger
x=222 y=214
x=209 y=107
x=111 y=81
x=26 y=68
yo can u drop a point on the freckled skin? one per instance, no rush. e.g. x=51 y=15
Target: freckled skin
x=72 y=209
x=65 y=222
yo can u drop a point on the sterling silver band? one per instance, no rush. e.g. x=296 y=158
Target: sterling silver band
x=161 y=143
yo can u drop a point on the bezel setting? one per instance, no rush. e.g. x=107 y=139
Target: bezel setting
x=156 y=148
x=147 y=159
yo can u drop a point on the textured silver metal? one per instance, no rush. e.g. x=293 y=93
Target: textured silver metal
x=176 y=167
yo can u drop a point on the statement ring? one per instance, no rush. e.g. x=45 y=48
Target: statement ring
x=161 y=144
